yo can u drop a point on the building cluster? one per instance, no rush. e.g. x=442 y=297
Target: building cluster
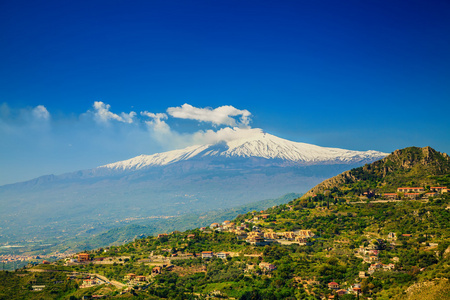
x=260 y=237
x=371 y=255
x=7 y=258
x=337 y=290
x=416 y=192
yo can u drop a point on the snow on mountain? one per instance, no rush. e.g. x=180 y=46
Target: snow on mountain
x=261 y=145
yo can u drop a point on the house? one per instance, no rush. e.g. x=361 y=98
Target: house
x=89 y=282
x=202 y=228
x=241 y=235
x=156 y=271
x=362 y=274
x=391 y=235
x=222 y=255
x=226 y=222
x=141 y=278
x=301 y=240
x=410 y=189
x=412 y=195
x=432 y=194
x=377 y=265
x=214 y=225
x=333 y=285
x=255 y=240
x=306 y=233
x=162 y=235
x=390 y=196
x=373 y=258
x=289 y=235
x=270 y=235
x=191 y=236
x=267 y=266
x=207 y=254
x=341 y=292
x=38 y=288
x=83 y=257
x=130 y=276
x=439 y=189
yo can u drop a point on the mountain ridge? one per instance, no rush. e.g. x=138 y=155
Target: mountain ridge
x=411 y=165
x=263 y=145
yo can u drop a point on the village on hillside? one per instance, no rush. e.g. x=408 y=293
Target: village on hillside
x=258 y=231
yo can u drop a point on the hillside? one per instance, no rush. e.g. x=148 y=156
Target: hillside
x=411 y=166
x=311 y=248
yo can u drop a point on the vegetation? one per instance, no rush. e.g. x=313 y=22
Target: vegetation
x=413 y=166
x=371 y=249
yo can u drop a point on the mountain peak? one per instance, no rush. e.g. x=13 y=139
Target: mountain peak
x=259 y=145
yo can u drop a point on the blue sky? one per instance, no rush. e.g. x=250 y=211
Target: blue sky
x=77 y=77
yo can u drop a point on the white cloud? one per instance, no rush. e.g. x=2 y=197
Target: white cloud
x=102 y=114
x=226 y=134
x=222 y=115
x=40 y=113
x=157 y=123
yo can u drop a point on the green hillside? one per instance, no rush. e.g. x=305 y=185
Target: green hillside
x=413 y=166
x=323 y=247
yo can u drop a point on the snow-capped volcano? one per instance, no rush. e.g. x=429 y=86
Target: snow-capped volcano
x=192 y=180
x=262 y=145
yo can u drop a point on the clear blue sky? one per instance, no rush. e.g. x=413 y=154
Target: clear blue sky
x=350 y=74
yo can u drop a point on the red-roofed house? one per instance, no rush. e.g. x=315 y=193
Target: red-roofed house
x=333 y=285
x=439 y=189
x=412 y=195
x=410 y=189
x=390 y=196
x=207 y=254
x=83 y=257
